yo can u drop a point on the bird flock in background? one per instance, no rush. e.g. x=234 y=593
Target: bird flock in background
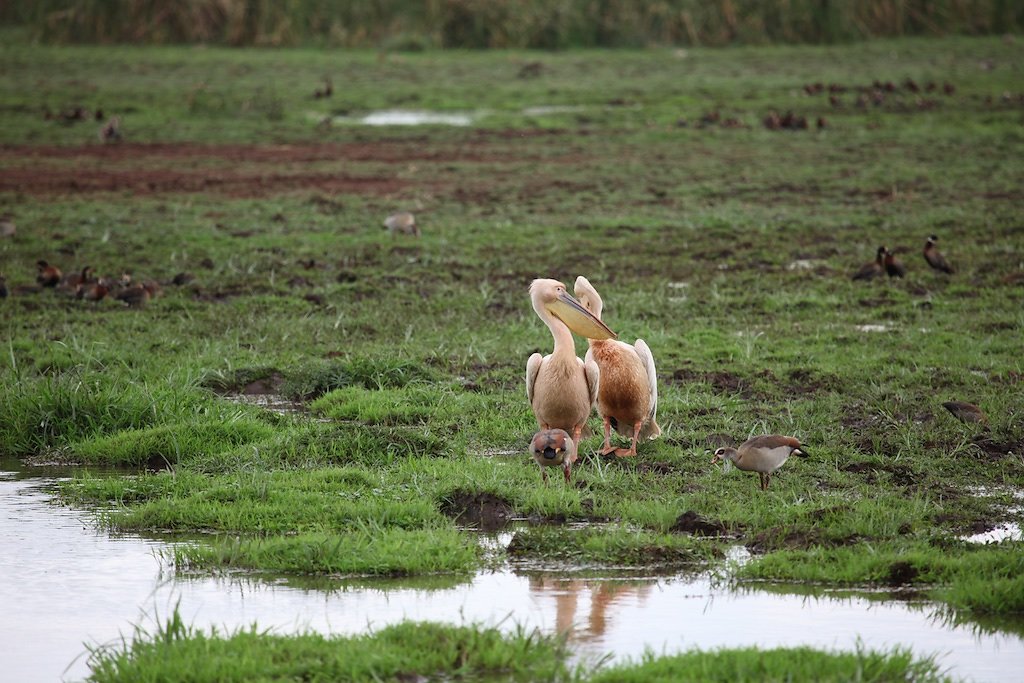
x=617 y=378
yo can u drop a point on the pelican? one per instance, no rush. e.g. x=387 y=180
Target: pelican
x=561 y=387
x=628 y=396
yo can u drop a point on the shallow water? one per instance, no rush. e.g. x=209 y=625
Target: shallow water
x=63 y=584
x=408 y=117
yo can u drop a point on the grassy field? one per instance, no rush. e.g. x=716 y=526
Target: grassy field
x=728 y=246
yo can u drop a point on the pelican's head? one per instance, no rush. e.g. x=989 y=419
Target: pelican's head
x=588 y=296
x=550 y=298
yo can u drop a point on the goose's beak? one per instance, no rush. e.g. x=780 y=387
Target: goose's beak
x=581 y=321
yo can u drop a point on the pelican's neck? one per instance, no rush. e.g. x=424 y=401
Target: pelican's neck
x=564 y=345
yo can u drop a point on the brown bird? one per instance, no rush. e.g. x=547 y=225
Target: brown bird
x=934 y=257
x=136 y=296
x=72 y=282
x=402 y=222
x=47 y=275
x=95 y=291
x=111 y=130
x=870 y=271
x=966 y=412
x=627 y=396
x=551 y=448
x=893 y=266
x=327 y=90
x=762 y=454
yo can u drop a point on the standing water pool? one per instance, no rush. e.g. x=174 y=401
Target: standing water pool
x=66 y=586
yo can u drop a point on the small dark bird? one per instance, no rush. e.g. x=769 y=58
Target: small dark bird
x=948 y=88
x=966 y=412
x=47 y=275
x=835 y=100
x=182 y=279
x=111 y=130
x=762 y=454
x=136 y=296
x=95 y=291
x=869 y=271
x=531 y=70
x=551 y=448
x=326 y=91
x=4 y=292
x=822 y=123
x=911 y=85
x=72 y=282
x=935 y=258
x=893 y=266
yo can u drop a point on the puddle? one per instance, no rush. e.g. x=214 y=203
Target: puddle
x=281 y=405
x=63 y=584
x=411 y=117
x=1010 y=531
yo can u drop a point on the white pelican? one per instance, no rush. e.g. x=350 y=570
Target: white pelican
x=628 y=396
x=561 y=387
x=761 y=454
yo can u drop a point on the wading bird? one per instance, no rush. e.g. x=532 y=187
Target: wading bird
x=551 y=448
x=934 y=257
x=761 y=454
x=562 y=388
x=627 y=399
x=869 y=271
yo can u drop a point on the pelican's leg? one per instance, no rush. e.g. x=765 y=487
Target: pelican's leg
x=761 y=477
x=607 y=448
x=767 y=480
x=567 y=469
x=622 y=452
x=577 y=434
x=544 y=475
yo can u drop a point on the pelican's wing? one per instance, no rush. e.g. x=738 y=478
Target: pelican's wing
x=593 y=375
x=532 y=370
x=647 y=358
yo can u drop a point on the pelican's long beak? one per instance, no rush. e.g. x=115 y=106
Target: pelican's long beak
x=581 y=321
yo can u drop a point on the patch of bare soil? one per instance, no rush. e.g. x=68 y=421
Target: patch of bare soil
x=484 y=511
x=237 y=170
x=694 y=524
x=781 y=538
x=997 y=450
x=142 y=181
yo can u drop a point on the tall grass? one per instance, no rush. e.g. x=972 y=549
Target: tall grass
x=406 y=24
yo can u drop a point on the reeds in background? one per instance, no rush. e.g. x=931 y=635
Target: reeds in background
x=551 y=24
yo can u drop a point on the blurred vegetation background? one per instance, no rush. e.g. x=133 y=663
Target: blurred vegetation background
x=549 y=24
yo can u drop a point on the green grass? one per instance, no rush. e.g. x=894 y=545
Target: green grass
x=175 y=651
x=369 y=551
x=728 y=249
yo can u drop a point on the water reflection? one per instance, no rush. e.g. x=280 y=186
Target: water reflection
x=597 y=596
x=64 y=584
